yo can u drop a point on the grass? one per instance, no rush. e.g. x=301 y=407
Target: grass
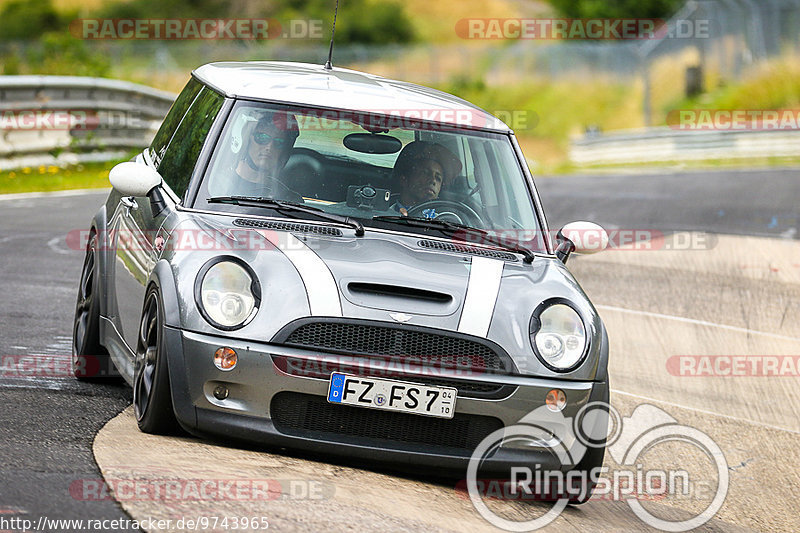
x=550 y=113
x=52 y=178
x=435 y=21
x=773 y=85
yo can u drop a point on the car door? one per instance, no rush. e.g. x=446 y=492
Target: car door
x=175 y=151
x=134 y=231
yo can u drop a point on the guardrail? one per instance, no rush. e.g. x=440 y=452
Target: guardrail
x=59 y=120
x=660 y=145
x=114 y=117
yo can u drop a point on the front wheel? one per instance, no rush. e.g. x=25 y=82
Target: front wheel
x=152 y=400
x=90 y=360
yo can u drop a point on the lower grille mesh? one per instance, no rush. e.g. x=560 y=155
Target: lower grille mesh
x=355 y=338
x=312 y=416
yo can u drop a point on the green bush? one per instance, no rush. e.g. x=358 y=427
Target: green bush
x=617 y=8
x=58 y=54
x=373 y=23
x=358 y=21
x=146 y=9
x=28 y=19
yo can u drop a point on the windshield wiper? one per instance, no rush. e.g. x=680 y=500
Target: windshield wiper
x=452 y=228
x=262 y=201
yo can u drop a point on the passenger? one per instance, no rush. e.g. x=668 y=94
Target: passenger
x=268 y=149
x=422 y=169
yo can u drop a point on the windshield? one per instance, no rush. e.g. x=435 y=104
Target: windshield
x=373 y=168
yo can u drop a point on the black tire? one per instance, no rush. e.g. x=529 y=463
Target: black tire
x=152 y=399
x=90 y=359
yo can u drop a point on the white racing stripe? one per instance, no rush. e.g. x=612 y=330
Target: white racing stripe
x=482 y=290
x=323 y=295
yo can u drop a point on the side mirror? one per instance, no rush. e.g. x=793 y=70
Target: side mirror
x=581 y=237
x=134 y=179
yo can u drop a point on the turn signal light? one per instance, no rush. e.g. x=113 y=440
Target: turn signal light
x=225 y=358
x=556 y=400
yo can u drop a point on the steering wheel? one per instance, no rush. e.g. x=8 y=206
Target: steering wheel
x=449 y=210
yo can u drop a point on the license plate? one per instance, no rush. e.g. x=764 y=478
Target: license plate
x=392 y=395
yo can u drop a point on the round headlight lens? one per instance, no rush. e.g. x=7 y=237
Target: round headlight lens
x=226 y=294
x=561 y=338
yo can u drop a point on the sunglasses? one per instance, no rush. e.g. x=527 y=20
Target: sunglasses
x=265 y=138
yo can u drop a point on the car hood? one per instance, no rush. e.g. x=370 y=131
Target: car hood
x=391 y=277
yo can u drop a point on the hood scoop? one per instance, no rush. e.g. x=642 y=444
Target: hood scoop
x=287 y=226
x=392 y=291
x=411 y=300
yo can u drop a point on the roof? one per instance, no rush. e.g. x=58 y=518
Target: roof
x=313 y=85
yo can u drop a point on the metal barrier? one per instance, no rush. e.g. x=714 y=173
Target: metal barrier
x=59 y=120
x=115 y=117
x=658 y=145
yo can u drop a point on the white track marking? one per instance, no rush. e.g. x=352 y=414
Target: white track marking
x=697 y=322
x=705 y=412
x=49 y=194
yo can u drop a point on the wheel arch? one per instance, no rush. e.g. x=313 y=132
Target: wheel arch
x=100 y=220
x=163 y=279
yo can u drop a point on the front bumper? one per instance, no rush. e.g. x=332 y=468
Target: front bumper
x=260 y=395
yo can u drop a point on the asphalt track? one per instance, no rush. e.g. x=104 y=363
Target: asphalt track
x=738 y=296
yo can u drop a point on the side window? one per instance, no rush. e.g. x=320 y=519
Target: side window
x=173 y=119
x=181 y=155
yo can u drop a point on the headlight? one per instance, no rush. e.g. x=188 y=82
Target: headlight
x=227 y=293
x=558 y=337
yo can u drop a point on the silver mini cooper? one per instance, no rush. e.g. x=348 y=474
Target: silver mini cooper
x=326 y=260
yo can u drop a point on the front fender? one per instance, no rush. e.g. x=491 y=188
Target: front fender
x=163 y=278
x=99 y=225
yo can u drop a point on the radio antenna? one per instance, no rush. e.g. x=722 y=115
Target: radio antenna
x=328 y=65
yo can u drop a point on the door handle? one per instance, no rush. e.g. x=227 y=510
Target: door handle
x=129 y=202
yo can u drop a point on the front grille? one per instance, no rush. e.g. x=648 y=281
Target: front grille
x=287 y=226
x=369 y=339
x=304 y=415
x=471 y=250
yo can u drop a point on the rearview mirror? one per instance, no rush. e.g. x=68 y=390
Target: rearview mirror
x=372 y=143
x=134 y=179
x=580 y=237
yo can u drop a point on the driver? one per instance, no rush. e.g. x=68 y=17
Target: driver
x=422 y=169
x=269 y=146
